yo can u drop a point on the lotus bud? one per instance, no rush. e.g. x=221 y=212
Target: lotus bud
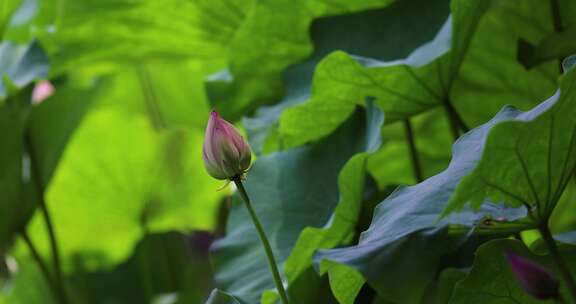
x=534 y=279
x=226 y=154
x=42 y=90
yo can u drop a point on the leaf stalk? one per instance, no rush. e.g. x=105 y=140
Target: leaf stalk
x=43 y=268
x=38 y=184
x=416 y=167
x=558 y=259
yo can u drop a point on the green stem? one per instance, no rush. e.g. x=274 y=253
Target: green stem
x=37 y=177
x=456 y=122
x=150 y=99
x=558 y=259
x=264 y=239
x=557 y=21
x=556 y=17
x=43 y=268
x=416 y=167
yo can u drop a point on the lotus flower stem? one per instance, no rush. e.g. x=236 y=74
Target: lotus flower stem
x=41 y=265
x=264 y=239
x=39 y=187
x=558 y=259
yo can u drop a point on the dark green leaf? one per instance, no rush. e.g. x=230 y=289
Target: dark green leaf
x=491 y=279
x=405 y=241
x=402 y=88
x=553 y=47
x=491 y=76
x=527 y=161
x=11 y=161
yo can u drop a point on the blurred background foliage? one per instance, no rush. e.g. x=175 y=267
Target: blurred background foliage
x=325 y=91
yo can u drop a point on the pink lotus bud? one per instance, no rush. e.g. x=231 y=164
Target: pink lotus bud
x=226 y=154
x=42 y=90
x=534 y=279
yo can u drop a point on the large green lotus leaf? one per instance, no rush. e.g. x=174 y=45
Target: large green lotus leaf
x=405 y=241
x=368 y=34
x=290 y=190
x=119 y=178
x=274 y=36
x=362 y=33
x=81 y=32
x=402 y=88
x=491 y=280
x=528 y=161
x=22 y=64
x=491 y=74
x=151 y=89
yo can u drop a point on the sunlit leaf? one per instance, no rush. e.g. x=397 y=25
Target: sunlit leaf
x=84 y=32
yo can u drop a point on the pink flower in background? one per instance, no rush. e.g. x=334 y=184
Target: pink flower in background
x=226 y=154
x=42 y=90
x=534 y=279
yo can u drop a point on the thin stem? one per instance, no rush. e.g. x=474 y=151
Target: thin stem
x=456 y=122
x=557 y=21
x=150 y=99
x=264 y=239
x=558 y=259
x=41 y=264
x=556 y=17
x=453 y=127
x=416 y=167
x=37 y=176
